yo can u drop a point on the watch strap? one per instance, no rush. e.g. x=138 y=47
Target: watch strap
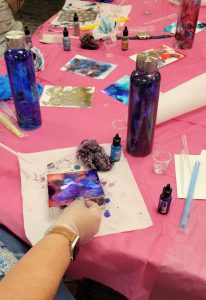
x=72 y=237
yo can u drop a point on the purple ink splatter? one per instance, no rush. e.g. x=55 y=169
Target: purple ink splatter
x=107 y=214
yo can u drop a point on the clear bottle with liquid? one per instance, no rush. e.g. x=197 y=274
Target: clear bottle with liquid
x=143 y=104
x=21 y=73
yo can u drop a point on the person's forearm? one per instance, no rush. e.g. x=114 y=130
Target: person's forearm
x=38 y=274
x=15 y=4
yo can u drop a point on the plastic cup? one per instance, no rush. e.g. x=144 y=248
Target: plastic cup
x=109 y=44
x=161 y=160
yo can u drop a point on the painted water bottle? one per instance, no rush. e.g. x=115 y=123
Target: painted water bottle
x=21 y=72
x=186 y=23
x=143 y=103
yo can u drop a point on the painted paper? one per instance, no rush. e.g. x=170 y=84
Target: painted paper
x=119 y=90
x=63 y=188
x=166 y=55
x=124 y=208
x=88 y=67
x=172 y=27
x=67 y=96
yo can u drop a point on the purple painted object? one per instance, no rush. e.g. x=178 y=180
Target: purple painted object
x=186 y=23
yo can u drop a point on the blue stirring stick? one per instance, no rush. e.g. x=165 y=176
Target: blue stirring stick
x=190 y=194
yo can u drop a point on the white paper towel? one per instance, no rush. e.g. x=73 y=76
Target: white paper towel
x=182 y=99
x=127 y=208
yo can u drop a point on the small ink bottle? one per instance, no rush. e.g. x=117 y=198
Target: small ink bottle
x=116 y=148
x=125 y=40
x=28 y=37
x=76 y=25
x=165 y=200
x=66 y=40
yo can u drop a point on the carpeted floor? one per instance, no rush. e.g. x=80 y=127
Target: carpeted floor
x=36 y=12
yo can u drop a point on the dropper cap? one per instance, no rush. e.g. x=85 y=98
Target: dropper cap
x=75 y=18
x=125 y=31
x=147 y=62
x=26 y=30
x=167 y=191
x=65 y=32
x=116 y=140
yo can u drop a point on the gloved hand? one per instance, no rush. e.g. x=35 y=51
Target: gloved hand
x=81 y=217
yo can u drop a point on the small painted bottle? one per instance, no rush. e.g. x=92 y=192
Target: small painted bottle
x=28 y=38
x=116 y=148
x=165 y=200
x=76 y=25
x=66 y=40
x=125 y=40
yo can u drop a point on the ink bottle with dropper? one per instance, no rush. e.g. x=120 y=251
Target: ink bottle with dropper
x=28 y=38
x=76 y=25
x=165 y=200
x=66 y=40
x=125 y=40
x=116 y=148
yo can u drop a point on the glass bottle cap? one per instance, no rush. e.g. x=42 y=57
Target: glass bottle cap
x=15 y=39
x=147 y=62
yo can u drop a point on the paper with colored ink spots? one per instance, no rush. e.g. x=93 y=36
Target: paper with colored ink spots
x=84 y=66
x=64 y=188
x=119 y=90
x=67 y=96
x=166 y=55
x=172 y=27
x=125 y=211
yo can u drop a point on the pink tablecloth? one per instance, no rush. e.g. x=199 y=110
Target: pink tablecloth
x=155 y=263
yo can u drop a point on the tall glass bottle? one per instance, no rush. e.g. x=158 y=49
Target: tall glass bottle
x=21 y=72
x=186 y=23
x=143 y=103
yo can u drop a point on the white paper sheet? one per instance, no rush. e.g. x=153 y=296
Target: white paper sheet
x=102 y=9
x=182 y=99
x=127 y=208
x=183 y=176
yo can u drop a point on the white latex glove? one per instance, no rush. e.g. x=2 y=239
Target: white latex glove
x=81 y=217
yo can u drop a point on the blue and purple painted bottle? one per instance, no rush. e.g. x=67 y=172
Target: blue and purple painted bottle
x=143 y=104
x=186 y=23
x=21 y=72
x=165 y=200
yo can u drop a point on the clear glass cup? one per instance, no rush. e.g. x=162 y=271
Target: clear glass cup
x=161 y=160
x=109 y=44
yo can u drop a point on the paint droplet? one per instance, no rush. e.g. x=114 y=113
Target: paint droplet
x=107 y=200
x=107 y=214
x=77 y=167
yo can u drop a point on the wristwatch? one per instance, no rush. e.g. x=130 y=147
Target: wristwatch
x=145 y=35
x=71 y=236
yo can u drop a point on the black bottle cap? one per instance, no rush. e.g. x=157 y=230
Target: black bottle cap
x=65 y=32
x=26 y=30
x=167 y=191
x=75 y=18
x=116 y=140
x=125 y=31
